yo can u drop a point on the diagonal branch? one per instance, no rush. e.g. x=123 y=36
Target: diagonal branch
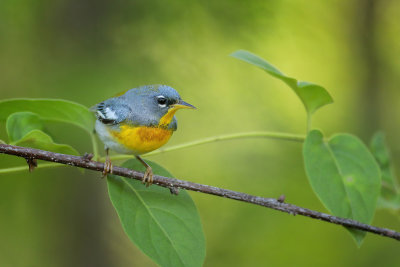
x=277 y=204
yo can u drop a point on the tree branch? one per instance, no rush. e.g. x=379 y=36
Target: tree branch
x=277 y=204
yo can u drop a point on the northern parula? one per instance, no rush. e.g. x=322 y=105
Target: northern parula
x=138 y=121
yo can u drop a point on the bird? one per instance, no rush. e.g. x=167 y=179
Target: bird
x=138 y=121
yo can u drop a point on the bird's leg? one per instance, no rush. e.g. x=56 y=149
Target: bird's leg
x=108 y=168
x=148 y=174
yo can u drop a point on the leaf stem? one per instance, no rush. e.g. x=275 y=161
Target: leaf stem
x=212 y=139
x=309 y=122
x=94 y=145
x=26 y=168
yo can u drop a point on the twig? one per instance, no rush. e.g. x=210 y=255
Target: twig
x=218 y=138
x=272 y=203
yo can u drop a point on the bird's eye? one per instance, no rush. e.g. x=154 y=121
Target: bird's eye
x=162 y=101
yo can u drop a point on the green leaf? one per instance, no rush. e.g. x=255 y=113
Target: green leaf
x=313 y=96
x=391 y=202
x=390 y=195
x=20 y=123
x=164 y=226
x=344 y=175
x=39 y=140
x=50 y=110
x=2 y=142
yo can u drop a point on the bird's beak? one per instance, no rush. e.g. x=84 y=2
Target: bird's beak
x=182 y=104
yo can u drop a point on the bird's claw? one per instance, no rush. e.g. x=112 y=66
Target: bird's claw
x=108 y=168
x=148 y=177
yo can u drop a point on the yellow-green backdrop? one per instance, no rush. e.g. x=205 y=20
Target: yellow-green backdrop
x=87 y=51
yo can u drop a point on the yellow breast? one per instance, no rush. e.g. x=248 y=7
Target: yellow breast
x=141 y=139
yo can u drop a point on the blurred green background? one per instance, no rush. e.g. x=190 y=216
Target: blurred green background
x=87 y=51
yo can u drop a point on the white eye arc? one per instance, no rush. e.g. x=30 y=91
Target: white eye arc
x=110 y=114
x=162 y=101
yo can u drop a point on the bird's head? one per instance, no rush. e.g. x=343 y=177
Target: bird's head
x=158 y=102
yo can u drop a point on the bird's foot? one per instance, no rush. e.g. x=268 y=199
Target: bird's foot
x=148 y=177
x=108 y=167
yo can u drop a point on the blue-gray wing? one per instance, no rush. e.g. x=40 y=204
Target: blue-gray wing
x=111 y=111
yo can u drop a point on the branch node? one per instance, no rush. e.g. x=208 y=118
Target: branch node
x=87 y=156
x=174 y=190
x=281 y=199
x=32 y=163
